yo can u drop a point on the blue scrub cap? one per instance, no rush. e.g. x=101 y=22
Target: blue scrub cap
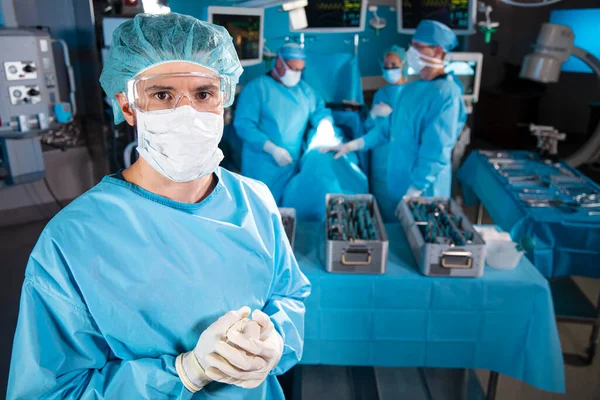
x=397 y=50
x=148 y=40
x=291 y=51
x=435 y=33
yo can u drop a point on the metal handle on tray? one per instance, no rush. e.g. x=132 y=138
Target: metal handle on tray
x=365 y=251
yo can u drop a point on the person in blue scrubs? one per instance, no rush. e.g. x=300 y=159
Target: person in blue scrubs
x=142 y=288
x=377 y=126
x=271 y=117
x=427 y=118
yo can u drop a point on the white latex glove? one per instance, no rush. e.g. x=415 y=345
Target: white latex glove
x=233 y=355
x=268 y=346
x=381 y=110
x=345 y=148
x=192 y=366
x=281 y=156
x=410 y=193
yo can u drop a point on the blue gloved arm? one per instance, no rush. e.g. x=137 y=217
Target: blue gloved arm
x=378 y=134
x=59 y=352
x=247 y=117
x=436 y=142
x=285 y=305
x=377 y=128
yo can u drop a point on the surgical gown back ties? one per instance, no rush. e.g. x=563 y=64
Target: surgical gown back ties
x=122 y=281
x=268 y=110
x=380 y=150
x=423 y=132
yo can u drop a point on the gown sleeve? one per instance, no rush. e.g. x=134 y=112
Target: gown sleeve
x=247 y=117
x=436 y=142
x=59 y=351
x=285 y=305
x=378 y=128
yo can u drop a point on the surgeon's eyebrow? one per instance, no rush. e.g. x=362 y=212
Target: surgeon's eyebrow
x=208 y=86
x=158 y=87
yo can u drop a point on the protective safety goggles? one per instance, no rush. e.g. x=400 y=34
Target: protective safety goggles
x=290 y=68
x=203 y=91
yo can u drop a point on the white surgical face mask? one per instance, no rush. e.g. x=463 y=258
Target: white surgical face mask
x=181 y=144
x=392 y=75
x=291 y=77
x=417 y=60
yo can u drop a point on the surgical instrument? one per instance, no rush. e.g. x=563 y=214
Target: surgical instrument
x=441 y=237
x=356 y=238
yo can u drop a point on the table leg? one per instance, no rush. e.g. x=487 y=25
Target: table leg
x=492 y=386
x=594 y=337
x=297 y=385
x=572 y=306
x=479 y=213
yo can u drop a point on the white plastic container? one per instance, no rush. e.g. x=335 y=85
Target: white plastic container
x=502 y=254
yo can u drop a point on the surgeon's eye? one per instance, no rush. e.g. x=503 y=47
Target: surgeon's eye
x=162 y=96
x=203 y=96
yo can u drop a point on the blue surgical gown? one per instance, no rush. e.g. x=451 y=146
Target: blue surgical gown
x=376 y=140
x=122 y=281
x=268 y=110
x=426 y=122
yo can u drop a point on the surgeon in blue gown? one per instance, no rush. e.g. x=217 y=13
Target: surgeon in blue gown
x=142 y=287
x=428 y=116
x=377 y=127
x=272 y=115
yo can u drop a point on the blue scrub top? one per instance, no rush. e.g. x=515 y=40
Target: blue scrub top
x=377 y=140
x=425 y=126
x=268 y=110
x=122 y=281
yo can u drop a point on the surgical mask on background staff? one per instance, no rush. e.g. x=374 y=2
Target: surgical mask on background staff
x=392 y=75
x=393 y=65
x=290 y=78
x=417 y=60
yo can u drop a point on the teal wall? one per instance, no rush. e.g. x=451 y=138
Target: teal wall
x=277 y=27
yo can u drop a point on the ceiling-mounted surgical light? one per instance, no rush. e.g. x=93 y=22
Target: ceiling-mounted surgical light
x=529 y=3
x=297 y=13
x=295 y=9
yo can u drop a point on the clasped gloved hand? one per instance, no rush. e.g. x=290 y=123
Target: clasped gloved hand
x=233 y=350
x=267 y=346
x=281 y=156
x=212 y=347
x=343 y=149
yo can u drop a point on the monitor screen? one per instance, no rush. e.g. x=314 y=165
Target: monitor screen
x=336 y=15
x=467 y=69
x=465 y=72
x=585 y=25
x=456 y=14
x=245 y=31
